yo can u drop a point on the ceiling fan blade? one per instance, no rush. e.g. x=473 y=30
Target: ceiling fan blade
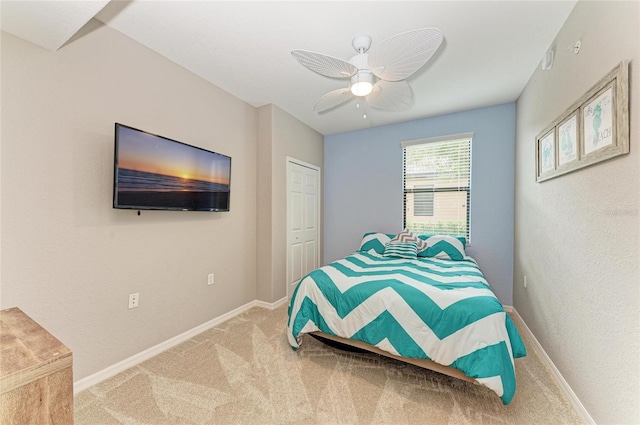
x=390 y=95
x=324 y=64
x=398 y=57
x=333 y=99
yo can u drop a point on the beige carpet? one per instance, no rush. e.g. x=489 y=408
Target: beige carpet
x=244 y=372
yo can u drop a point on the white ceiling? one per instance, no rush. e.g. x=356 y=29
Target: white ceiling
x=489 y=52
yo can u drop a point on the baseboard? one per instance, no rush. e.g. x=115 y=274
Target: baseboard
x=562 y=383
x=271 y=306
x=136 y=359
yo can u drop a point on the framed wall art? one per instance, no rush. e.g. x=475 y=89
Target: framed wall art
x=597 y=119
x=593 y=129
x=568 y=141
x=546 y=154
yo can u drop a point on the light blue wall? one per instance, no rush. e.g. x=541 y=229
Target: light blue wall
x=363 y=186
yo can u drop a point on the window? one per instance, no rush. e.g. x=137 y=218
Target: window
x=437 y=185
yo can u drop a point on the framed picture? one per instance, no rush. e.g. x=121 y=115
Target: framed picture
x=597 y=119
x=595 y=128
x=568 y=140
x=546 y=154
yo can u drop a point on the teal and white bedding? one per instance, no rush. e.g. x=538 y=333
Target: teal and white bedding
x=424 y=308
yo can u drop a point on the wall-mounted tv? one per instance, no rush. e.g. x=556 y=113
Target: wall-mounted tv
x=156 y=173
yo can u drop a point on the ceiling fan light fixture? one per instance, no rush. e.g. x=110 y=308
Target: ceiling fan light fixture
x=362 y=83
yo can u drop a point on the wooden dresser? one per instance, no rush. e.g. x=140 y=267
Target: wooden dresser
x=36 y=379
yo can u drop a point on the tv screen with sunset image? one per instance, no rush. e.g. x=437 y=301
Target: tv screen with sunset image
x=153 y=172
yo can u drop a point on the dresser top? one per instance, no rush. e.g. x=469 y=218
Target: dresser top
x=27 y=350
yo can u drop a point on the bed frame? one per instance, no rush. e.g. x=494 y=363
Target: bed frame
x=424 y=363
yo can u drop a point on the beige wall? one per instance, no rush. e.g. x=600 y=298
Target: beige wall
x=68 y=259
x=577 y=236
x=71 y=260
x=264 y=236
x=286 y=137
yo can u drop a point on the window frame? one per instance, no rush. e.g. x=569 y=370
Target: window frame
x=434 y=190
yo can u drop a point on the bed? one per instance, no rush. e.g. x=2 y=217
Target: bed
x=430 y=306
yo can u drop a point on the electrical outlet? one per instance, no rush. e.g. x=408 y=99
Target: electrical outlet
x=525 y=281
x=210 y=279
x=134 y=299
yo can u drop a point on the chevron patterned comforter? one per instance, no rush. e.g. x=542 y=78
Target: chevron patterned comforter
x=427 y=308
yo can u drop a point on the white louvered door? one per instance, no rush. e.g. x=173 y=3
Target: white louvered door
x=303 y=199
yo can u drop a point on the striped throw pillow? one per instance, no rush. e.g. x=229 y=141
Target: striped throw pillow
x=407 y=236
x=444 y=247
x=401 y=250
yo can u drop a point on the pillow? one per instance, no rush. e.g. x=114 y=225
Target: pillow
x=401 y=250
x=375 y=241
x=423 y=252
x=407 y=236
x=444 y=247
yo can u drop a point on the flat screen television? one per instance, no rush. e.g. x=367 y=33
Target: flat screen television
x=156 y=173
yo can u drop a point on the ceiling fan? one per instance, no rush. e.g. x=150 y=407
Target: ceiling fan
x=377 y=74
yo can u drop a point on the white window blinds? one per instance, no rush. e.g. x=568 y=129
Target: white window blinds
x=437 y=185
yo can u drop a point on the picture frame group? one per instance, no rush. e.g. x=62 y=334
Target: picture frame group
x=593 y=129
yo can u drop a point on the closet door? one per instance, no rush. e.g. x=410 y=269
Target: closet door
x=303 y=206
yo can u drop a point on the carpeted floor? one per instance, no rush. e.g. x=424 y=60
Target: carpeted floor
x=244 y=372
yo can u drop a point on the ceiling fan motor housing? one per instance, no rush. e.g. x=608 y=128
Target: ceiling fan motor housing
x=360 y=61
x=362 y=81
